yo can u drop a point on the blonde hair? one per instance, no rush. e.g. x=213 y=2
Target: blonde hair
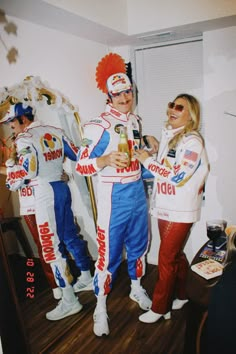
x=231 y=248
x=193 y=124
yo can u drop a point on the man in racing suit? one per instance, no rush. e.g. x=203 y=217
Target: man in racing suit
x=121 y=201
x=41 y=151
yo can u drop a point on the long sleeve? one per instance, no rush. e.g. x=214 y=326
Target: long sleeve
x=25 y=169
x=70 y=150
x=178 y=169
x=94 y=144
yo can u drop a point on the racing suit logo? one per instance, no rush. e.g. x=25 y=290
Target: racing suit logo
x=16 y=175
x=107 y=284
x=50 y=141
x=59 y=278
x=162 y=171
x=52 y=155
x=26 y=192
x=51 y=146
x=134 y=166
x=85 y=170
x=139 y=268
x=84 y=154
x=45 y=237
x=165 y=188
x=101 y=248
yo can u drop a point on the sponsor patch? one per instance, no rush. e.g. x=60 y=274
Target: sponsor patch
x=59 y=278
x=178 y=178
x=188 y=164
x=117 y=128
x=96 y=121
x=86 y=142
x=190 y=155
x=171 y=153
x=25 y=151
x=50 y=141
x=176 y=168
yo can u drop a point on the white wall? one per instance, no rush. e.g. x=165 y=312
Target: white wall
x=220 y=95
x=68 y=64
x=219 y=55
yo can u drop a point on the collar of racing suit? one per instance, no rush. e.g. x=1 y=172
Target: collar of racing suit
x=117 y=114
x=32 y=125
x=170 y=133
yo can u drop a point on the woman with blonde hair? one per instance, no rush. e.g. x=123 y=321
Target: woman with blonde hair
x=180 y=172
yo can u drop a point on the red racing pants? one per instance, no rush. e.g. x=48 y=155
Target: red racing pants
x=172 y=265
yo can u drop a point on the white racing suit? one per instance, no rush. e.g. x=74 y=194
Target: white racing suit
x=180 y=175
x=41 y=151
x=121 y=201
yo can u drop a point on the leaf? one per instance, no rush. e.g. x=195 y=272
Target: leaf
x=12 y=55
x=10 y=27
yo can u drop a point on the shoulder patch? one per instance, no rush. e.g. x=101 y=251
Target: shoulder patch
x=86 y=142
x=101 y=121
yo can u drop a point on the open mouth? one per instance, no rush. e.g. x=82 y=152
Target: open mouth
x=173 y=117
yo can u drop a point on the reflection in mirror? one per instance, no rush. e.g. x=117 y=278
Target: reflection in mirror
x=25 y=282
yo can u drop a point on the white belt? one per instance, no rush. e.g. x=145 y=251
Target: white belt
x=119 y=179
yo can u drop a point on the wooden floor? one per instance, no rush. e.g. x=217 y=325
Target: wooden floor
x=74 y=335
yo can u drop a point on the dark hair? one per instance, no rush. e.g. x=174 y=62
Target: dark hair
x=29 y=116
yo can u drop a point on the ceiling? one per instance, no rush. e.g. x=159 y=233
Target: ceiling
x=44 y=14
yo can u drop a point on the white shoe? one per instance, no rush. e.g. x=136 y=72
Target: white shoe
x=57 y=293
x=178 y=304
x=139 y=295
x=63 y=310
x=83 y=285
x=100 y=326
x=151 y=317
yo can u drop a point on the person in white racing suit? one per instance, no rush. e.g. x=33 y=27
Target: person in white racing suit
x=121 y=202
x=41 y=151
x=180 y=171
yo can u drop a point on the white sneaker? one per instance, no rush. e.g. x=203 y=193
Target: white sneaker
x=63 y=310
x=57 y=293
x=178 y=304
x=152 y=317
x=139 y=295
x=100 y=326
x=83 y=285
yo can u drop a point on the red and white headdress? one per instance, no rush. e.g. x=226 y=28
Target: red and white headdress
x=111 y=74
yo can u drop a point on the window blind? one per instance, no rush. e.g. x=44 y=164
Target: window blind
x=161 y=73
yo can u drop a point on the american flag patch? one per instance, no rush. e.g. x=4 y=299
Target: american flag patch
x=190 y=155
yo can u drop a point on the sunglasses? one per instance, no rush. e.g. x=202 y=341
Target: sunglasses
x=176 y=107
x=117 y=94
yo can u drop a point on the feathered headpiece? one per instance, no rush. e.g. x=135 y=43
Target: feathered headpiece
x=111 y=64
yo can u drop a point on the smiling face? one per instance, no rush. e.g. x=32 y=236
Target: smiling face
x=178 y=118
x=123 y=101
